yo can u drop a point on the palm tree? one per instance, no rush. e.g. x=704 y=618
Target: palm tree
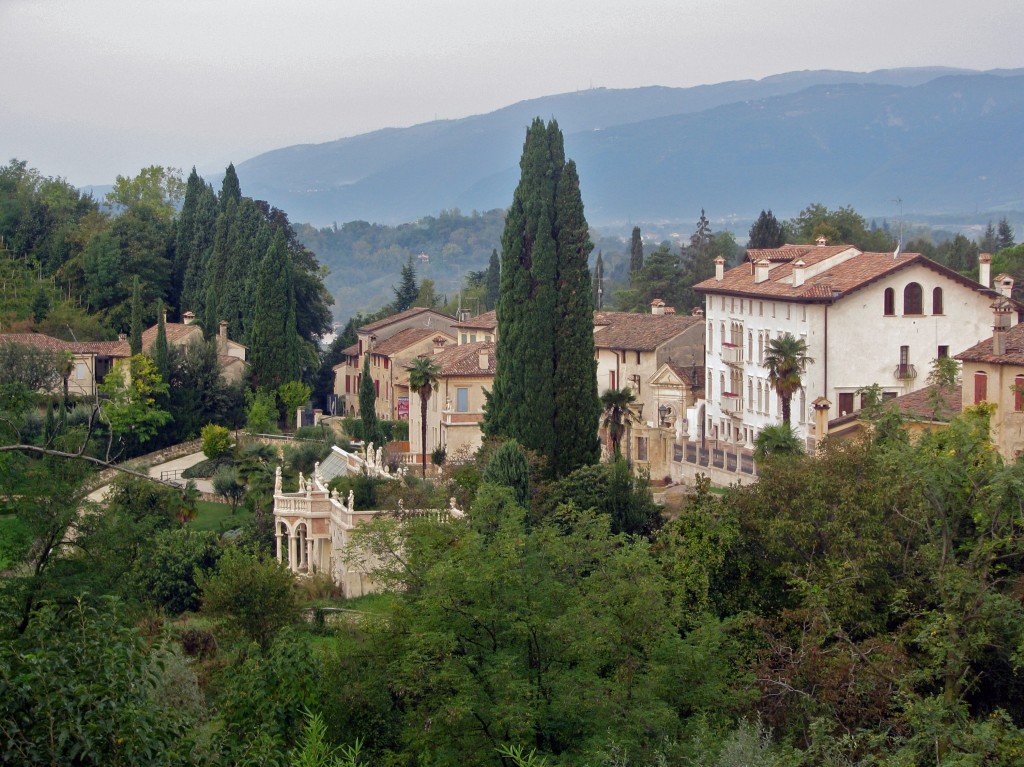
x=777 y=440
x=423 y=374
x=616 y=404
x=786 y=359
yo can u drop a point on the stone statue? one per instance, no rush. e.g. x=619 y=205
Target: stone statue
x=302 y=483
x=277 y=481
x=351 y=501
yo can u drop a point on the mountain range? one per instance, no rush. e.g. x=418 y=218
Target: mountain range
x=939 y=140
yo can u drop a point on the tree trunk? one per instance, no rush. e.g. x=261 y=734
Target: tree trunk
x=423 y=432
x=785 y=409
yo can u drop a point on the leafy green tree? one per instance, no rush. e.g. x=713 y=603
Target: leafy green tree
x=251 y=596
x=509 y=468
x=74 y=661
x=216 y=441
x=841 y=226
x=135 y=337
x=156 y=188
x=617 y=414
x=545 y=389
x=786 y=359
x=407 y=290
x=427 y=295
x=129 y=406
x=959 y=254
x=166 y=574
x=314 y=750
x=636 y=252
x=492 y=281
x=228 y=486
x=40 y=305
x=422 y=382
x=29 y=366
x=198 y=393
x=293 y=394
x=766 y=232
x=261 y=412
x=275 y=342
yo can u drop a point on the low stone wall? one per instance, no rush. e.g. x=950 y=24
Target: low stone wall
x=144 y=462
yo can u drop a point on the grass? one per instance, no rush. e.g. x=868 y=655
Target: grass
x=218 y=517
x=14 y=541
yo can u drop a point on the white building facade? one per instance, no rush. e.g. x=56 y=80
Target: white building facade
x=867 y=318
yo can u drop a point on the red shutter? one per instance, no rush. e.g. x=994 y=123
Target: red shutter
x=980 y=387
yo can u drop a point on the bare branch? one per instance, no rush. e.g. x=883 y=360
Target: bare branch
x=81 y=456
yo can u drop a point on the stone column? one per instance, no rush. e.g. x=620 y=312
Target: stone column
x=292 y=538
x=310 y=554
x=277 y=537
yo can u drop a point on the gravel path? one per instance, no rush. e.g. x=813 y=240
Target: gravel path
x=178 y=465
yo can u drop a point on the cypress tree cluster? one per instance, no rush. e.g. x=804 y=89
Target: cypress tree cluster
x=545 y=387
x=275 y=344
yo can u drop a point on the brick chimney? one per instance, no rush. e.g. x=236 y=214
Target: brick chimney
x=719 y=268
x=657 y=307
x=222 y=337
x=1004 y=284
x=439 y=342
x=761 y=270
x=1002 y=309
x=985 y=269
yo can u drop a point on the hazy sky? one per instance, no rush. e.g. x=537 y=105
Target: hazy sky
x=94 y=88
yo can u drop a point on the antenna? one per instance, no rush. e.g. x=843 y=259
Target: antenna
x=899 y=245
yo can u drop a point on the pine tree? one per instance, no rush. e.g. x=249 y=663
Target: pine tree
x=161 y=354
x=230 y=188
x=636 y=252
x=1004 y=238
x=407 y=290
x=40 y=305
x=766 y=232
x=492 y=281
x=135 y=339
x=275 y=342
x=988 y=242
x=599 y=282
x=545 y=388
x=701 y=237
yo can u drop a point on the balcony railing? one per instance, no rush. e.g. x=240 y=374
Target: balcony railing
x=732 y=355
x=905 y=372
x=732 y=403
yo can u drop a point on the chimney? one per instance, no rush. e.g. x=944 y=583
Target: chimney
x=761 y=270
x=821 y=407
x=484 y=359
x=657 y=307
x=165 y=316
x=1002 y=309
x=189 y=318
x=822 y=241
x=696 y=312
x=798 y=273
x=985 y=269
x=719 y=268
x=1004 y=284
x=439 y=342
x=222 y=332
x=122 y=337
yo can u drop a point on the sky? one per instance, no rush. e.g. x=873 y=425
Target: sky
x=92 y=89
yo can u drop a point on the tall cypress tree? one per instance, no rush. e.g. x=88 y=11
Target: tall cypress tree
x=135 y=339
x=275 y=341
x=367 y=404
x=545 y=381
x=230 y=188
x=492 y=281
x=407 y=290
x=766 y=232
x=161 y=355
x=194 y=232
x=599 y=282
x=636 y=252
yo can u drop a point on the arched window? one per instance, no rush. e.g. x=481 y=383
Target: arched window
x=711 y=336
x=980 y=387
x=913 y=302
x=750 y=346
x=937 y=301
x=889 y=302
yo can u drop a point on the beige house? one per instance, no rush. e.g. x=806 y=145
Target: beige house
x=483 y=327
x=391 y=342
x=993 y=371
x=88 y=361
x=456 y=410
x=929 y=408
x=231 y=355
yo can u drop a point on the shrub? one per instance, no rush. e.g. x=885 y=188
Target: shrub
x=216 y=440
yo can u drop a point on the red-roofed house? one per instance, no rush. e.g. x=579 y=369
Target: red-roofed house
x=867 y=318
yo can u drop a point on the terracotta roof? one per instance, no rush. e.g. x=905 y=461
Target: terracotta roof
x=177 y=333
x=403 y=339
x=37 y=341
x=918 y=405
x=692 y=374
x=793 y=252
x=485 y=321
x=224 y=360
x=832 y=284
x=464 y=360
x=639 y=332
x=401 y=316
x=982 y=352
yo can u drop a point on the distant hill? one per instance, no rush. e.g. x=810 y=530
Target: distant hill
x=942 y=140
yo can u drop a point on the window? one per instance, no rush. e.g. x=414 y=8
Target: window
x=913 y=302
x=845 y=403
x=463 y=338
x=376 y=388
x=980 y=387
x=611 y=380
x=760 y=308
x=750 y=346
x=943 y=352
x=348 y=384
x=638 y=358
x=80 y=371
x=462 y=400
x=937 y=301
x=1018 y=394
x=472 y=338
x=386 y=361
x=641 y=448
x=711 y=337
x=889 y=302
x=750 y=394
